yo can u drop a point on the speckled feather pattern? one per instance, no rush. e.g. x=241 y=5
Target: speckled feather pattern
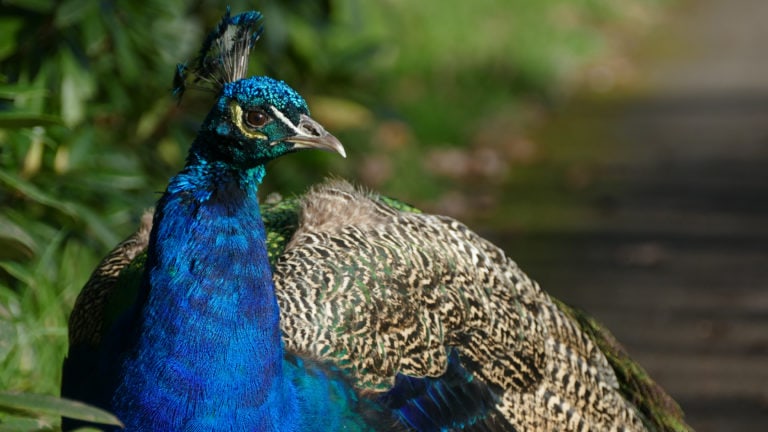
x=378 y=291
x=285 y=98
x=198 y=347
x=383 y=292
x=369 y=318
x=341 y=310
x=85 y=322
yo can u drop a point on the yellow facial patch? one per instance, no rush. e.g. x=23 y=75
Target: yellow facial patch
x=237 y=118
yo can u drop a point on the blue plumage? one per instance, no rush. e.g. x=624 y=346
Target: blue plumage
x=204 y=350
x=364 y=315
x=455 y=400
x=206 y=208
x=201 y=347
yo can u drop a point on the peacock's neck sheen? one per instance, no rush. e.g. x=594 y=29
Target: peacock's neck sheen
x=208 y=354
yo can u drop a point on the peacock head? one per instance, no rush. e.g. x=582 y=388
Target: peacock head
x=258 y=119
x=255 y=119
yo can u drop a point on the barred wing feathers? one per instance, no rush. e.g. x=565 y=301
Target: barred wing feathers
x=426 y=317
x=382 y=292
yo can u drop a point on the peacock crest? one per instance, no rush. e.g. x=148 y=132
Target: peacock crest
x=368 y=316
x=223 y=56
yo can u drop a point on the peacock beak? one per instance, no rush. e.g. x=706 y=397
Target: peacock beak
x=310 y=135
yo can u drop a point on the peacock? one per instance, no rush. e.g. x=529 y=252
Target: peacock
x=337 y=310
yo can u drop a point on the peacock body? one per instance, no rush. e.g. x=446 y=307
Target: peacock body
x=338 y=310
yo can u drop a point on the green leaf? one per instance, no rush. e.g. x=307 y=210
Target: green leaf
x=96 y=225
x=42 y=6
x=18 y=271
x=77 y=87
x=35 y=404
x=12 y=91
x=10 y=25
x=15 y=242
x=7 y=335
x=72 y=12
x=19 y=120
x=10 y=423
x=35 y=194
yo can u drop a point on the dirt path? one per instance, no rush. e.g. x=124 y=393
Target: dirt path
x=675 y=262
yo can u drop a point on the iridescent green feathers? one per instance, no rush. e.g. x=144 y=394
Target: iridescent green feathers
x=378 y=290
x=412 y=315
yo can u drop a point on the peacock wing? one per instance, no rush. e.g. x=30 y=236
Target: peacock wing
x=387 y=294
x=111 y=288
x=421 y=313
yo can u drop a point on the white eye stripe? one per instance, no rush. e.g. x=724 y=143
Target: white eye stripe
x=280 y=116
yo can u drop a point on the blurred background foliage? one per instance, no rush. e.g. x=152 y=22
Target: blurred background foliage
x=434 y=101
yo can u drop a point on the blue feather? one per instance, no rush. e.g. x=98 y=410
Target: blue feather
x=454 y=400
x=199 y=345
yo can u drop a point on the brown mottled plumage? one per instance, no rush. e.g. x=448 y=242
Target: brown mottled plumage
x=87 y=318
x=415 y=284
x=380 y=291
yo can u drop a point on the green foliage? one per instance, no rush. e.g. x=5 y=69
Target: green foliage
x=69 y=170
x=24 y=412
x=89 y=132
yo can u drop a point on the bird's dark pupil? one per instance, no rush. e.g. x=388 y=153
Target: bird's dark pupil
x=255 y=118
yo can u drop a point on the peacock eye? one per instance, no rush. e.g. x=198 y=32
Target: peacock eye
x=255 y=118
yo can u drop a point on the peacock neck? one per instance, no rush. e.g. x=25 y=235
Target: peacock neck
x=208 y=354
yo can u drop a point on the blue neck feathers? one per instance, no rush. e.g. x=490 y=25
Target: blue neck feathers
x=208 y=353
x=202 y=348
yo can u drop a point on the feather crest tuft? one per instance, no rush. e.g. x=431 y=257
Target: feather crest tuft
x=223 y=57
